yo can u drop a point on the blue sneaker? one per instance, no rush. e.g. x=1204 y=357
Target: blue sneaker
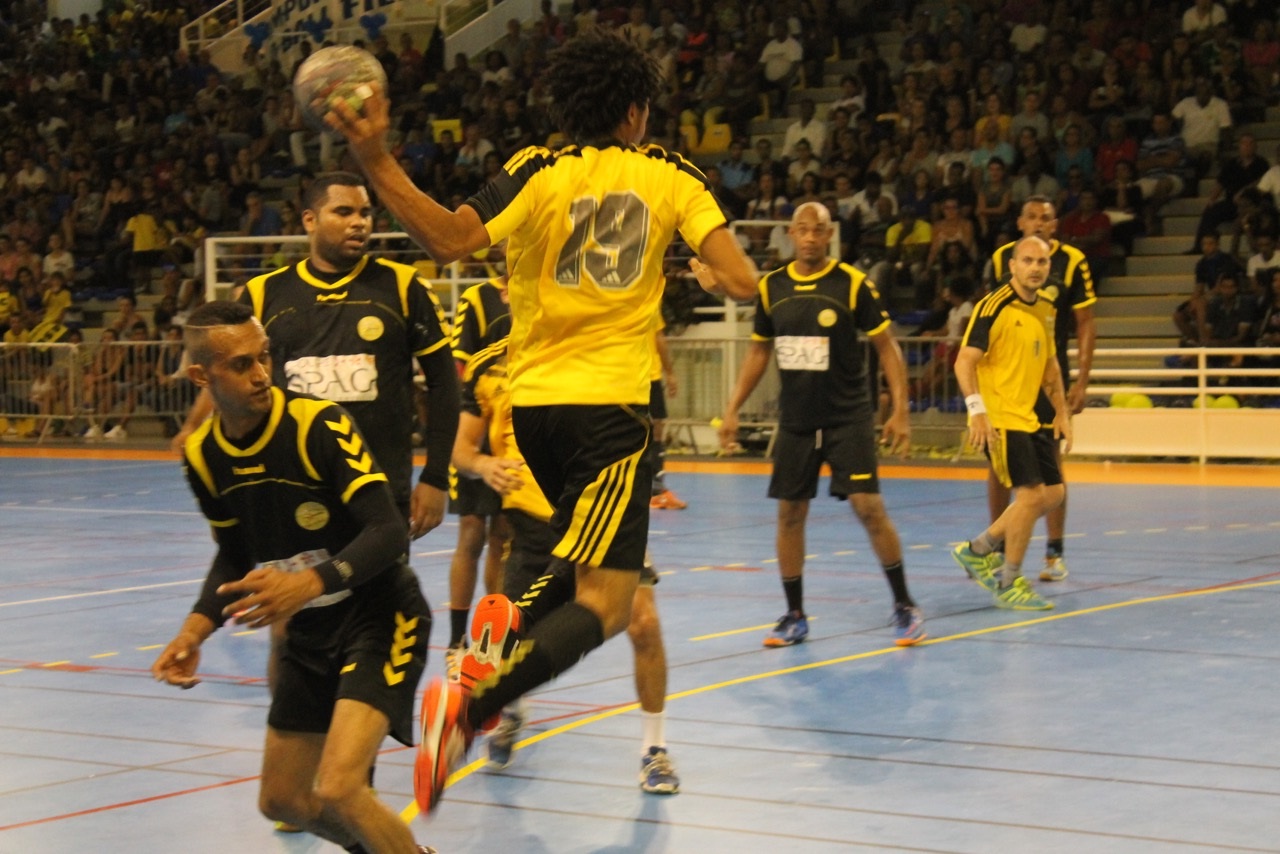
x=501 y=744
x=657 y=773
x=981 y=568
x=791 y=629
x=908 y=625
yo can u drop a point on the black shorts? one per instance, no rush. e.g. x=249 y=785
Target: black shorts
x=530 y=557
x=1025 y=459
x=591 y=464
x=370 y=647
x=850 y=450
x=657 y=401
x=471 y=496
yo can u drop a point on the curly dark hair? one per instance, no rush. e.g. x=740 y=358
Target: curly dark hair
x=593 y=79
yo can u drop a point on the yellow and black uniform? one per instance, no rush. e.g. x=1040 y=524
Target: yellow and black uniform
x=302 y=491
x=1068 y=287
x=352 y=337
x=587 y=228
x=482 y=318
x=826 y=412
x=486 y=395
x=1018 y=341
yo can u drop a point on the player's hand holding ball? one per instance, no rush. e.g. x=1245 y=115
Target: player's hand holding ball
x=342 y=90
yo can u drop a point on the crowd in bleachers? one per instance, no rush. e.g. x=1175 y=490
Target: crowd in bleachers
x=121 y=151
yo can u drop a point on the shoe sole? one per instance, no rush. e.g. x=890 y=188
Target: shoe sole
x=1047 y=606
x=1053 y=576
x=496 y=617
x=666 y=789
x=778 y=642
x=431 y=767
x=912 y=641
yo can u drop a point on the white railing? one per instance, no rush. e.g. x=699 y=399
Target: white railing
x=86 y=390
x=229 y=262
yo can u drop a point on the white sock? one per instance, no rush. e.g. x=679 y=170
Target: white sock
x=653 y=726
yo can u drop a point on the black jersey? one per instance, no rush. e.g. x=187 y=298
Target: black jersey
x=483 y=317
x=352 y=337
x=813 y=322
x=286 y=488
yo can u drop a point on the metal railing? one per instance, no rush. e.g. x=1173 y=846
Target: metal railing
x=229 y=262
x=89 y=390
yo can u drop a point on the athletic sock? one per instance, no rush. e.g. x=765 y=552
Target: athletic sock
x=559 y=641
x=658 y=458
x=982 y=544
x=553 y=588
x=458 y=625
x=794 y=588
x=653 y=727
x=1053 y=549
x=897 y=576
x=1009 y=573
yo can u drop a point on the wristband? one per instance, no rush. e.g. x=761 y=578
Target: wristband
x=974 y=404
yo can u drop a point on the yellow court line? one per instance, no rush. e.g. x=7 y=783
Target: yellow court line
x=7 y=672
x=104 y=655
x=56 y=663
x=410 y=812
x=148 y=647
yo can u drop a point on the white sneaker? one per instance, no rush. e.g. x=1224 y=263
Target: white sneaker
x=1055 y=569
x=115 y=434
x=93 y=434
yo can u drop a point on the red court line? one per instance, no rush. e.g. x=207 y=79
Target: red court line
x=122 y=804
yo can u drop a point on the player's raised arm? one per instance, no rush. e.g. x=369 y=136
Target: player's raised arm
x=446 y=235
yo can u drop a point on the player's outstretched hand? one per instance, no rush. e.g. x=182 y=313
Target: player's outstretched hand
x=177 y=664
x=270 y=596
x=426 y=509
x=365 y=129
x=727 y=432
x=897 y=434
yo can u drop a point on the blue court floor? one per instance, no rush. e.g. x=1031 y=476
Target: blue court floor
x=1139 y=716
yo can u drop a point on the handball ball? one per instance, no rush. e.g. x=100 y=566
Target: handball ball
x=332 y=73
x=1139 y=401
x=1227 y=401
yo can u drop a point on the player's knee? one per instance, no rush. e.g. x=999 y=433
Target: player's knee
x=644 y=630
x=471 y=535
x=336 y=793
x=870 y=511
x=1054 y=496
x=792 y=514
x=280 y=805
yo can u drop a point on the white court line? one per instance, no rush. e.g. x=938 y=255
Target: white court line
x=435 y=553
x=100 y=593
x=62 y=472
x=101 y=510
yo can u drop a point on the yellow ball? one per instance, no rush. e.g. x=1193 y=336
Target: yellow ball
x=1227 y=401
x=1139 y=401
x=1121 y=399
x=1209 y=401
x=717 y=422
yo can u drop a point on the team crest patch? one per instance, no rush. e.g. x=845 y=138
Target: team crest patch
x=370 y=328
x=311 y=515
x=827 y=317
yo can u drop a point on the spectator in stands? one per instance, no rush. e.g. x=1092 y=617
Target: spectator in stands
x=802 y=161
x=873 y=210
x=852 y=98
x=995 y=201
x=703 y=104
x=779 y=61
x=993 y=113
x=1261 y=56
x=958 y=153
x=1226 y=318
x=1118 y=145
x=951 y=228
x=741 y=95
x=1235 y=176
x=920 y=155
x=919 y=197
x=1110 y=96
x=26 y=258
x=56 y=299
x=877 y=79
x=57 y=258
x=259 y=219
x=907 y=245
x=1204 y=117
x=1028 y=35
x=989 y=146
x=1262 y=268
x=515 y=131
x=736 y=174
x=1209 y=269
x=1088 y=229
x=1073 y=153
x=1200 y=20
x=955 y=186
x=1032 y=180
x=100 y=381
x=808 y=127
x=884 y=162
x=957 y=297
x=1162 y=160
x=1031 y=116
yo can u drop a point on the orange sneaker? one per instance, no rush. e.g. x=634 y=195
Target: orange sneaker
x=494 y=627
x=666 y=500
x=443 y=745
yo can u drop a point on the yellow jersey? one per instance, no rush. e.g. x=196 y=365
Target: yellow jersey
x=587 y=228
x=1017 y=338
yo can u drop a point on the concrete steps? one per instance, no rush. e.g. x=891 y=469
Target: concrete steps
x=1137 y=306
x=1153 y=326
x=1182 y=226
x=1136 y=286
x=1189 y=206
x=1167 y=245
x=1161 y=265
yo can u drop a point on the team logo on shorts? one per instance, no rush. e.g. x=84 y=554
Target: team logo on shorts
x=369 y=328
x=311 y=515
x=827 y=317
